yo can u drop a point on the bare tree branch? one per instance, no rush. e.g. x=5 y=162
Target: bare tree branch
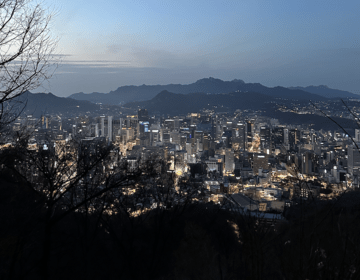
x=26 y=48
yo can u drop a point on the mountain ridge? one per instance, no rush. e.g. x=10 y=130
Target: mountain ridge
x=126 y=94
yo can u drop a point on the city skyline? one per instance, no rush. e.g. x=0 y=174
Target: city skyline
x=108 y=45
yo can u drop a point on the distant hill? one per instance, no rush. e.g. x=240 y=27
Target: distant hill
x=327 y=92
x=171 y=103
x=127 y=94
x=48 y=103
x=180 y=104
x=317 y=122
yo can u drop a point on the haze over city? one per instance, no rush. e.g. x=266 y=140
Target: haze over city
x=109 y=44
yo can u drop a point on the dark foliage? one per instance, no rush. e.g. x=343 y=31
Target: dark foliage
x=191 y=241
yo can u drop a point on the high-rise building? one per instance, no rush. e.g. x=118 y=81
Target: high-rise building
x=286 y=136
x=110 y=128
x=170 y=124
x=97 y=130
x=357 y=135
x=175 y=137
x=278 y=136
x=198 y=135
x=74 y=130
x=260 y=161
x=229 y=161
x=249 y=133
x=265 y=139
x=102 y=126
x=294 y=137
x=143 y=115
x=177 y=124
x=227 y=138
x=353 y=160
x=143 y=128
x=206 y=141
x=213 y=127
x=307 y=166
x=239 y=137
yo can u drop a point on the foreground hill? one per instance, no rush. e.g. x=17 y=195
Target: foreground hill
x=127 y=94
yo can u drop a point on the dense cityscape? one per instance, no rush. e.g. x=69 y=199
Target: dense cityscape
x=243 y=159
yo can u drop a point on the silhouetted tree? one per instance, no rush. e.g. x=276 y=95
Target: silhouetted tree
x=26 y=52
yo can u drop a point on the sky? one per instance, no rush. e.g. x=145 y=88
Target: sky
x=111 y=43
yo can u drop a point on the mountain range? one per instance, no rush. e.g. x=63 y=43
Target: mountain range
x=169 y=103
x=125 y=94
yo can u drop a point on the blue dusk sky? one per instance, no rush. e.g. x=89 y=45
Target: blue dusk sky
x=111 y=43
